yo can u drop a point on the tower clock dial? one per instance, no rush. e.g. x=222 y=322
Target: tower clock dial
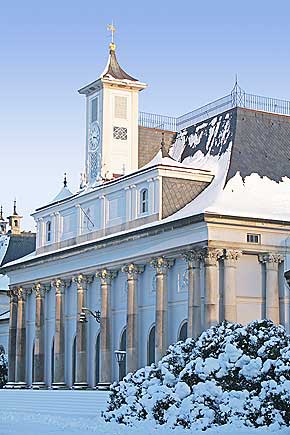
x=94 y=138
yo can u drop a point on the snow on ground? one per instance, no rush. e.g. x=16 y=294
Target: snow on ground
x=32 y=423
x=69 y=412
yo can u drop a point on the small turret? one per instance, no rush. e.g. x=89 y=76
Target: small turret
x=15 y=221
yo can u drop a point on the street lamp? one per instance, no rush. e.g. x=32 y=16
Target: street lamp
x=83 y=315
x=121 y=359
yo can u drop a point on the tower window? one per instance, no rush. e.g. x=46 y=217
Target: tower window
x=253 y=238
x=120 y=107
x=94 y=110
x=144 y=201
x=16 y=223
x=48 y=231
x=120 y=133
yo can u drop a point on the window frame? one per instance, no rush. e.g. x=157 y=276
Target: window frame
x=144 y=202
x=48 y=231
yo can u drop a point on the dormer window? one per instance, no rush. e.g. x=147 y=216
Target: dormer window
x=144 y=201
x=48 y=231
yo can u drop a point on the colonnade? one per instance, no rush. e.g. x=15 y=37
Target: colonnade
x=209 y=258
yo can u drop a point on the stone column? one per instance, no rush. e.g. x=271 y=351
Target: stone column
x=161 y=266
x=132 y=357
x=194 y=293
x=210 y=257
x=81 y=336
x=39 y=346
x=272 y=262
x=12 y=337
x=59 y=337
x=20 y=376
x=230 y=257
x=106 y=277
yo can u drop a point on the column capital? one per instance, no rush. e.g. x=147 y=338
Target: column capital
x=59 y=285
x=12 y=293
x=210 y=255
x=161 y=264
x=39 y=290
x=192 y=257
x=232 y=254
x=132 y=270
x=106 y=276
x=271 y=258
x=82 y=280
x=21 y=294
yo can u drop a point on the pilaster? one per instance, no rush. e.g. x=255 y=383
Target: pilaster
x=59 y=337
x=271 y=262
x=230 y=258
x=210 y=257
x=20 y=375
x=106 y=276
x=161 y=266
x=132 y=358
x=194 y=293
x=12 y=293
x=38 y=378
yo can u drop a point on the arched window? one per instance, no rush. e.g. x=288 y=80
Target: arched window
x=48 y=231
x=33 y=363
x=16 y=223
x=182 y=331
x=123 y=345
x=151 y=346
x=144 y=201
x=97 y=361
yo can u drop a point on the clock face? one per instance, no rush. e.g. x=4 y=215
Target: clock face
x=94 y=139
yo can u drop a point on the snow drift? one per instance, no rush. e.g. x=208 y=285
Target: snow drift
x=230 y=374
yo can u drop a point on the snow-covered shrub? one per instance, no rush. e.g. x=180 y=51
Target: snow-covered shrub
x=229 y=373
x=3 y=369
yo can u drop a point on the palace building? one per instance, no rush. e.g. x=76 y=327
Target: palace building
x=178 y=224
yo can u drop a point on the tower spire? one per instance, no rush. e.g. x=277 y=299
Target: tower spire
x=64 y=180
x=111 y=28
x=14 y=208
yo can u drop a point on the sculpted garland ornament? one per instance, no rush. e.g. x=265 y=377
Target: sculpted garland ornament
x=94 y=140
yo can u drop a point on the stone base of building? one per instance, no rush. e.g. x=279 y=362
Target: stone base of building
x=59 y=386
x=80 y=386
x=39 y=386
x=20 y=385
x=103 y=386
x=9 y=385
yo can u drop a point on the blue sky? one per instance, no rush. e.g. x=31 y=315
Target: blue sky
x=188 y=52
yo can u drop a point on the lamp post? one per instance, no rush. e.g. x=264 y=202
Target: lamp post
x=121 y=359
x=83 y=315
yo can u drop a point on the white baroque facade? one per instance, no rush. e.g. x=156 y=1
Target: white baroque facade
x=162 y=251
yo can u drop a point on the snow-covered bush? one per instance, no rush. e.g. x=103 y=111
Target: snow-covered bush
x=3 y=369
x=230 y=373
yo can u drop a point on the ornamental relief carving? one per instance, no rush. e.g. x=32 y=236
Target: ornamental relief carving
x=271 y=258
x=132 y=270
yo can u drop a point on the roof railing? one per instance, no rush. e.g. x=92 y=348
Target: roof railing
x=237 y=98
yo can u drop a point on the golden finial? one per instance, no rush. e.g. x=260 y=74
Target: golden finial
x=112 y=29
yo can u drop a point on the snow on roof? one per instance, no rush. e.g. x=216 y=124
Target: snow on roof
x=4 y=243
x=166 y=161
x=4 y=282
x=216 y=145
x=63 y=194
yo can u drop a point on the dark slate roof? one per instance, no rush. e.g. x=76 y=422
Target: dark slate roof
x=19 y=246
x=261 y=142
x=261 y=145
x=114 y=70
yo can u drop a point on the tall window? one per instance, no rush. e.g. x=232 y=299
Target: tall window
x=94 y=110
x=151 y=346
x=183 y=332
x=48 y=231
x=144 y=201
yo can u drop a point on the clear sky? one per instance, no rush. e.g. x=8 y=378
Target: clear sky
x=188 y=52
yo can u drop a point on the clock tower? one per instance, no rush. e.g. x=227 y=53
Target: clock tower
x=111 y=122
